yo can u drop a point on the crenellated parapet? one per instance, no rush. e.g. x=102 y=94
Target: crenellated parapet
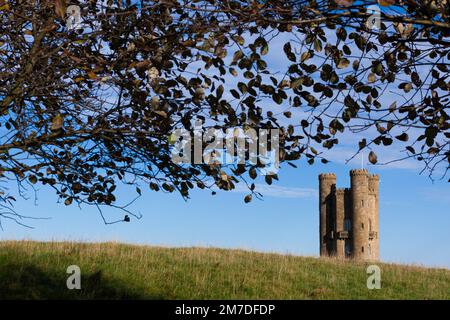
x=342 y=190
x=327 y=176
x=359 y=172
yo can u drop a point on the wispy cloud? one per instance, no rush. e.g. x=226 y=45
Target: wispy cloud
x=276 y=191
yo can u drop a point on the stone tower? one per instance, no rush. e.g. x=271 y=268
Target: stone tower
x=349 y=217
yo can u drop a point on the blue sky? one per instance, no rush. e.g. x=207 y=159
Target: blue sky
x=414 y=210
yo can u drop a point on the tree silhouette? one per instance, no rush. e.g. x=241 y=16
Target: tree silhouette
x=88 y=107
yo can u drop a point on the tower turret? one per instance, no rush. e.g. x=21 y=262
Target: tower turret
x=359 y=180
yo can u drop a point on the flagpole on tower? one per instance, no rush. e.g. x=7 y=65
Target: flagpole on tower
x=362 y=159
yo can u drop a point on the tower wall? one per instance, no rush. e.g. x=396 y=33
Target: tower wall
x=340 y=216
x=348 y=215
x=374 y=190
x=327 y=182
x=360 y=213
x=371 y=225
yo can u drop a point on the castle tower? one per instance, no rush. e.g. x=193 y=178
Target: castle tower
x=349 y=221
x=359 y=181
x=327 y=182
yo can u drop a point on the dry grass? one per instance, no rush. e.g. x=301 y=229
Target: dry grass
x=37 y=270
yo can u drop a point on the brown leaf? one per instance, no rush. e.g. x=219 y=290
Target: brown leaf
x=57 y=122
x=386 y=3
x=4 y=6
x=402 y=137
x=92 y=75
x=68 y=201
x=373 y=157
x=344 y=3
x=343 y=63
x=161 y=113
x=60 y=8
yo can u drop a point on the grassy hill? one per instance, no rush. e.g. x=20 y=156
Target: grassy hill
x=35 y=270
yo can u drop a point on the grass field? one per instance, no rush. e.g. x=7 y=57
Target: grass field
x=35 y=270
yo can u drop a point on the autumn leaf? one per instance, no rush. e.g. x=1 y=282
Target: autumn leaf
x=373 y=157
x=386 y=3
x=60 y=8
x=402 y=137
x=343 y=63
x=408 y=87
x=317 y=45
x=252 y=173
x=305 y=56
x=78 y=79
x=239 y=39
x=161 y=113
x=372 y=78
x=172 y=139
x=57 y=122
x=32 y=179
x=362 y=144
x=393 y=106
x=344 y=3
x=4 y=7
x=92 y=75
x=404 y=30
x=68 y=201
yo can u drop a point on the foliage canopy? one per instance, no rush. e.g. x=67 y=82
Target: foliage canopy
x=85 y=108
